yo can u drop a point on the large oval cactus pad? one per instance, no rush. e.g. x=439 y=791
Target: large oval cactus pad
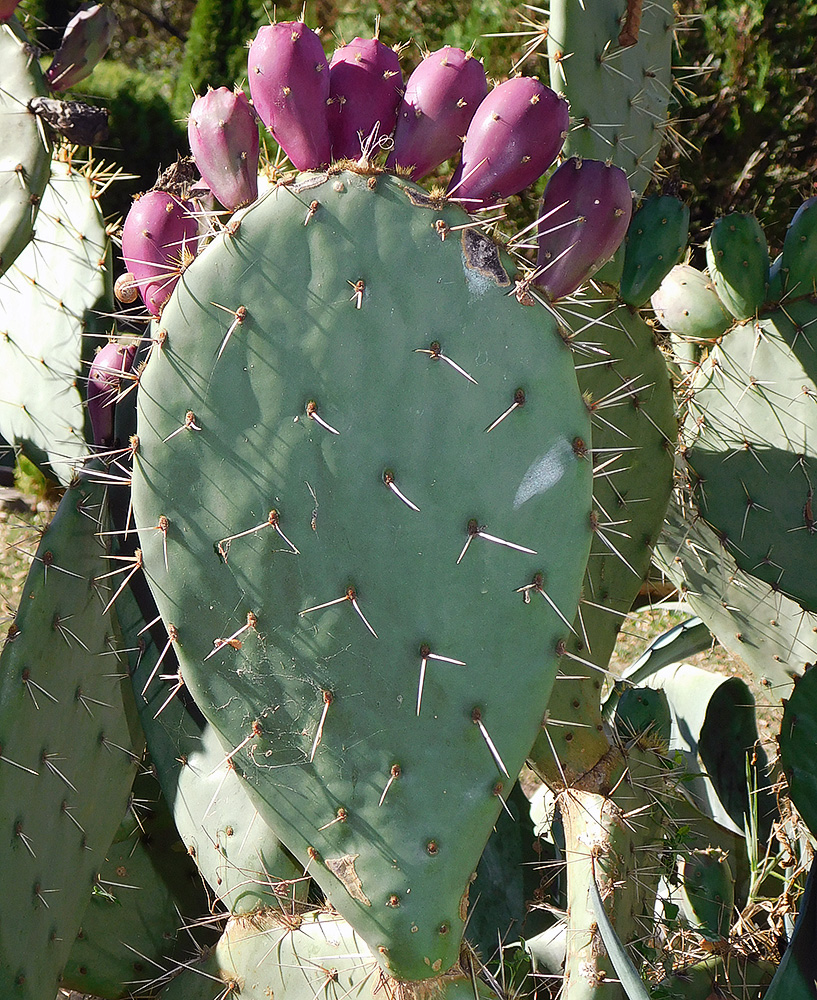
x=349 y=391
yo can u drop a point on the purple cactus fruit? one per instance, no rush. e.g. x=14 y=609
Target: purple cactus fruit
x=441 y=97
x=85 y=41
x=584 y=217
x=365 y=85
x=159 y=239
x=289 y=85
x=513 y=138
x=110 y=362
x=7 y=8
x=223 y=133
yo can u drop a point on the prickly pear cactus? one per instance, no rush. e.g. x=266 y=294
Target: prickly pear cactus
x=48 y=300
x=25 y=161
x=362 y=489
x=67 y=729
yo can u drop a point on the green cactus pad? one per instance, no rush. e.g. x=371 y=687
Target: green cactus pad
x=319 y=955
x=642 y=712
x=627 y=389
x=47 y=301
x=714 y=727
x=68 y=734
x=798 y=262
x=687 y=304
x=737 y=257
x=707 y=893
x=240 y=859
x=618 y=81
x=655 y=242
x=761 y=626
x=751 y=434
x=797 y=741
x=342 y=401
x=25 y=161
x=130 y=925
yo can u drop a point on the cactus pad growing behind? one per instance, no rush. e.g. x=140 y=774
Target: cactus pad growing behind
x=750 y=433
x=686 y=303
x=617 y=76
x=623 y=377
x=351 y=562
x=25 y=161
x=320 y=955
x=737 y=258
x=656 y=241
x=757 y=623
x=798 y=261
x=67 y=728
x=47 y=304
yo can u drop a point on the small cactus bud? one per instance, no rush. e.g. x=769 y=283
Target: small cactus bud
x=441 y=97
x=223 y=133
x=289 y=84
x=514 y=136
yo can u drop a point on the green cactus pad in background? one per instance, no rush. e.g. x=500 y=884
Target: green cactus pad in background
x=737 y=258
x=642 y=713
x=25 y=161
x=238 y=856
x=751 y=432
x=798 y=262
x=68 y=732
x=707 y=892
x=624 y=378
x=687 y=304
x=47 y=303
x=244 y=864
x=798 y=747
x=617 y=76
x=761 y=626
x=714 y=727
x=355 y=568
x=132 y=925
x=655 y=242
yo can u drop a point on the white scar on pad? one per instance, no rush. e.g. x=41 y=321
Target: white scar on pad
x=545 y=472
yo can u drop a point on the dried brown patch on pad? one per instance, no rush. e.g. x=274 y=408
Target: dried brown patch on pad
x=482 y=255
x=344 y=870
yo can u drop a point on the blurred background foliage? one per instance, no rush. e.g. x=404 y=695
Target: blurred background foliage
x=747 y=72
